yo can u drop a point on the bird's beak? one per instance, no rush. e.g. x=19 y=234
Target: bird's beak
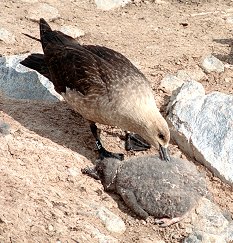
x=164 y=153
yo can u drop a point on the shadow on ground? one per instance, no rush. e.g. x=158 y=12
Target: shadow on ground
x=55 y=121
x=225 y=58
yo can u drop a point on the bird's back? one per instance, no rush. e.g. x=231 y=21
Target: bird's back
x=99 y=83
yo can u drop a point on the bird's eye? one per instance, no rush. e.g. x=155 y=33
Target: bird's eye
x=161 y=136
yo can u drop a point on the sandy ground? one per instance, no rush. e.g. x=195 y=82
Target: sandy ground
x=159 y=38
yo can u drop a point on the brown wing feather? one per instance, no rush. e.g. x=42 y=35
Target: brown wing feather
x=120 y=63
x=88 y=67
x=74 y=68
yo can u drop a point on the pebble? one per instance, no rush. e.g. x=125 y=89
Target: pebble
x=101 y=237
x=212 y=64
x=50 y=227
x=170 y=83
x=6 y=36
x=191 y=74
x=38 y=10
x=73 y=171
x=229 y=20
x=4 y=128
x=110 y=4
x=112 y=222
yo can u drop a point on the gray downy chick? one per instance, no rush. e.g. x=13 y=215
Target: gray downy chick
x=148 y=186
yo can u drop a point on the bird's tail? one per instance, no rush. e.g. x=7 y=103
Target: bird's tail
x=47 y=35
x=45 y=32
x=36 y=62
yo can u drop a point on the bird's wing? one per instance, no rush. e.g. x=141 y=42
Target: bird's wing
x=76 y=69
x=121 y=64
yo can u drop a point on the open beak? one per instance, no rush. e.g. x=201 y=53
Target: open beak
x=164 y=153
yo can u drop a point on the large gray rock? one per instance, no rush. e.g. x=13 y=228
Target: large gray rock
x=209 y=224
x=202 y=126
x=19 y=82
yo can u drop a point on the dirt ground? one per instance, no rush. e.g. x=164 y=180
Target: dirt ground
x=159 y=37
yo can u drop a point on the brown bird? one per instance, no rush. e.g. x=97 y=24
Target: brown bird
x=103 y=86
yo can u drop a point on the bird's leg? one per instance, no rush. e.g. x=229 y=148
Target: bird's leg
x=134 y=142
x=102 y=151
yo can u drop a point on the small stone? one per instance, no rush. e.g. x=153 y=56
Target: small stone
x=191 y=74
x=170 y=83
x=59 y=221
x=228 y=80
x=112 y=222
x=6 y=36
x=101 y=237
x=42 y=9
x=50 y=227
x=73 y=171
x=212 y=64
x=72 y=31
x=229 y=20
x=4 y=130
x=110 y=4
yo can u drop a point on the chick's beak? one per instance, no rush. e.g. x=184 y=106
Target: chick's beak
x=163 y=151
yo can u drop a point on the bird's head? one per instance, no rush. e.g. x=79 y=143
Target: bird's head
x=157 y=133
x=148 y=122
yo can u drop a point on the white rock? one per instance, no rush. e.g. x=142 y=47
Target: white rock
x=38 y=10
x=19 y=82
x=73 y=171
x=100 y=236
x=72 y=31
x=191 y=74
x=112 y=222
x=6 y=36
x=50 y=228
x=209 y=224
x=170 y=83
x=110 y=4
x=202 y=126
x=212 y=64
x=229 y=20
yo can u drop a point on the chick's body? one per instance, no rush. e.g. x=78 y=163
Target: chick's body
x=150 y=186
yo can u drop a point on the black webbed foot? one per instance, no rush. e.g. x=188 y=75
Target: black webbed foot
x=136 y=143
x=103 y=153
